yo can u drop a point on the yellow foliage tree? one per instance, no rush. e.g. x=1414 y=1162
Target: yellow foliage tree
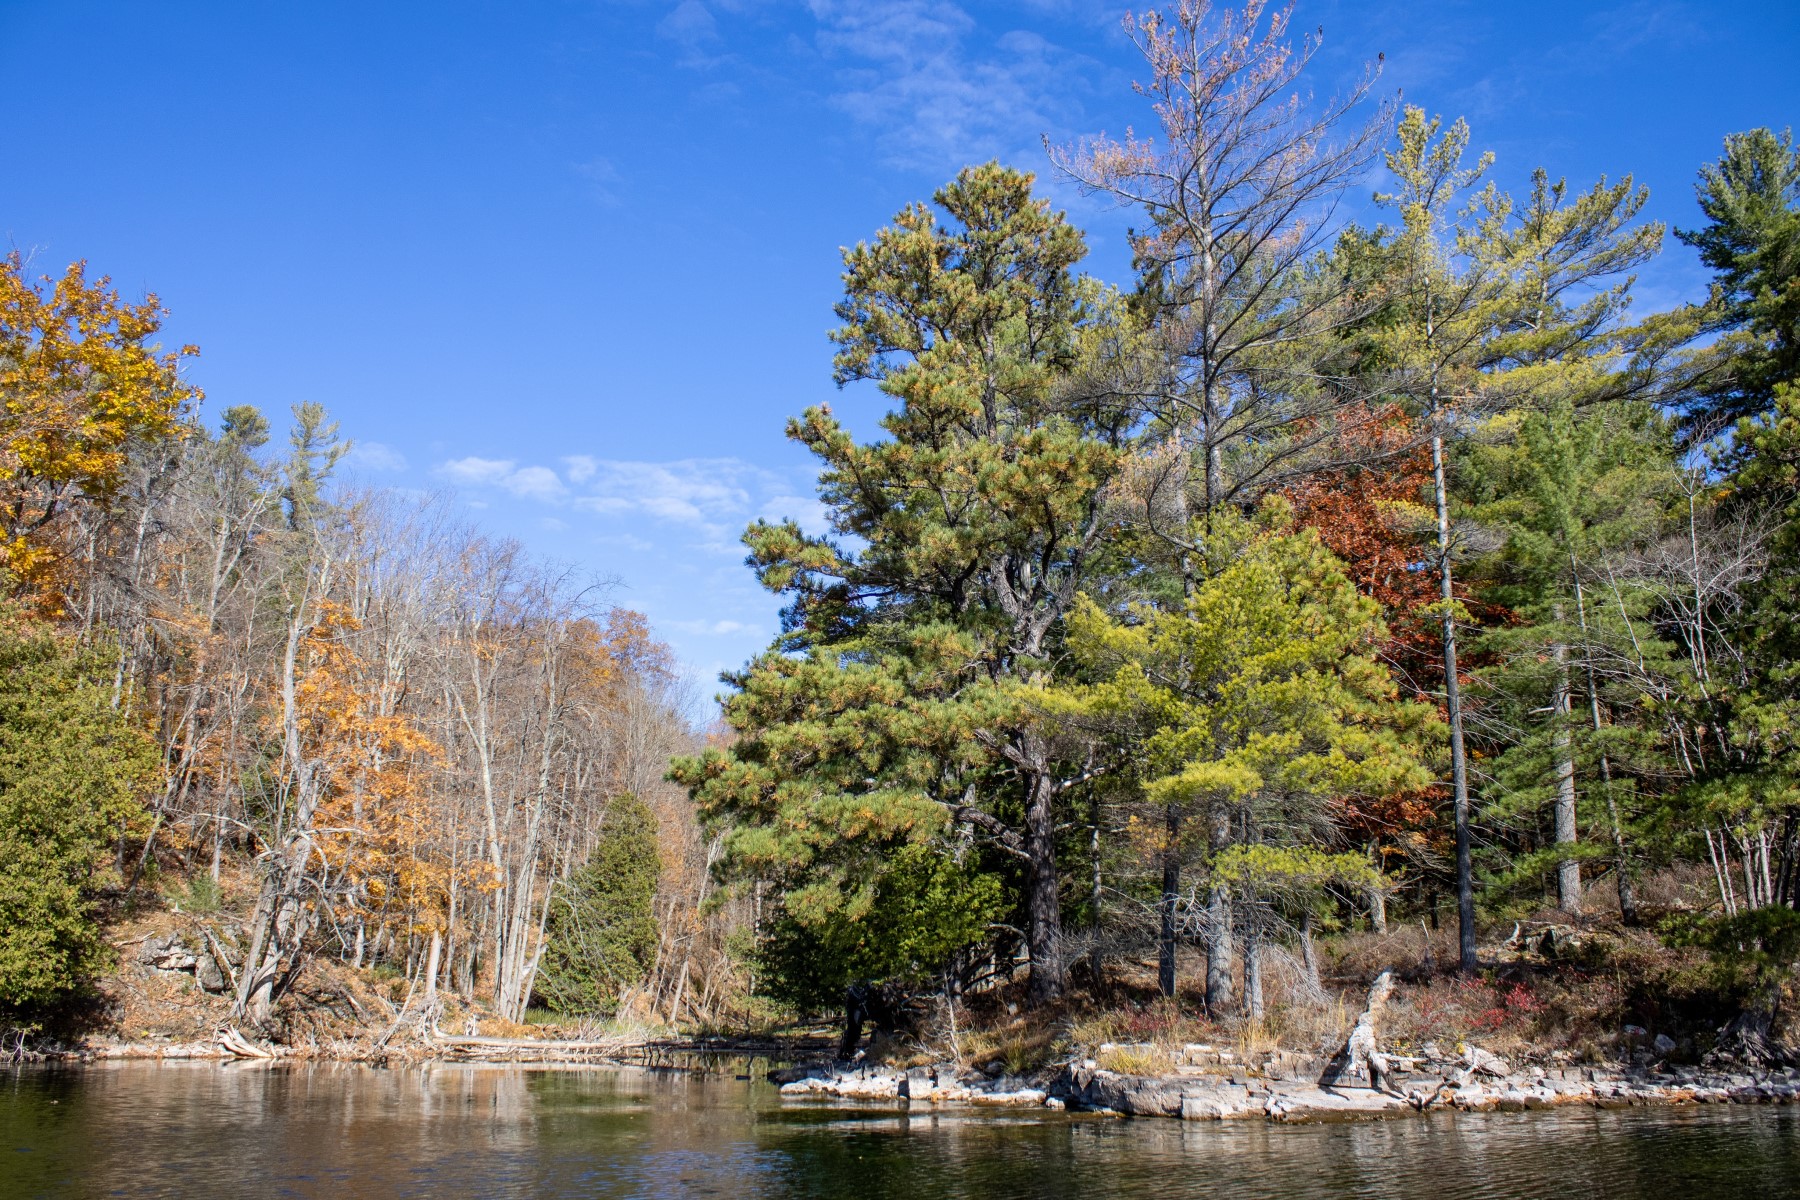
x=80 y=382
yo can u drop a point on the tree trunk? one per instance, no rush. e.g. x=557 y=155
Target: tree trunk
x=1096 y=960
x=1218 y=952
x=1568 y=868
x=432 y=962
x=1309 y=954
x=1459 y=764
x=1171 y=890
x=1621 y=860
x=1378 y=922
x=1043 y=930
x=1253 y=970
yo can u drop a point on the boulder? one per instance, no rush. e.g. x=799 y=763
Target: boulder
x=167 y=953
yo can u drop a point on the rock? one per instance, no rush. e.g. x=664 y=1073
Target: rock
x=1201 y=1108
x=1022 y=1098
x=1484 y=1062
x=208 y=974
x=167 y=954
x=1664 y=1044
x=1053 y=1104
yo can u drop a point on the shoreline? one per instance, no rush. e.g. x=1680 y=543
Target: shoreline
x=1244 y=1095
x=1283 y=1095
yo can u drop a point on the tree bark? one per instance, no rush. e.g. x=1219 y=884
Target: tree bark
x=1171 y=891
x=1253 y=970
x=1568 y=868
x=1043 y=930
x=1459 y=763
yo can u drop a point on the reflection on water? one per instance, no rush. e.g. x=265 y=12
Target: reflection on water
x=328 y=1131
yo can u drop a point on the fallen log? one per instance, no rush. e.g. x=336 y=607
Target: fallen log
x=239 y=1046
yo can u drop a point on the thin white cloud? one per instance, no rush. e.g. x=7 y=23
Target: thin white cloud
x=714 y=497
x=703 y=628
x=477 y=470
x=599 y=175
x=690 y=25
x=701 y=492
x=907 y=69
x=529 y=483
x=535 y=483
x=808 y=511
x=374 y=456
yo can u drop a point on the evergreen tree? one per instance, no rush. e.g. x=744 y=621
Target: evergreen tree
x=1574 y=494
x=884 y=708
x=601 y=938
x=1251 y=716
x=73 y=773
x=1751 y=198
x=1502 y=307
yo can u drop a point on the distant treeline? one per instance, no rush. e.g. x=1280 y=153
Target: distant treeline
x=400 y=740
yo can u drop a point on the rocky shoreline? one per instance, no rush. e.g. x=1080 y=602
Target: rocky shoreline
x=1287 y=1088
x=1207 y=1087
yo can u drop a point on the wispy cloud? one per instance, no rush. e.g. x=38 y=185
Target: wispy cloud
x=529 y=483
x=598 y=176
x=690 y=25
x=704 y=628
x=373 y=456
x=713 y=497
x=912 y=70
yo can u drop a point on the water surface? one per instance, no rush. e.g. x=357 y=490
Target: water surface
x=214 y=1130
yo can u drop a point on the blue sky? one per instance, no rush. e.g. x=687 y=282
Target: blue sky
x=576 y=261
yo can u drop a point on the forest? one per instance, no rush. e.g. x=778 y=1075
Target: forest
x=1359 y=585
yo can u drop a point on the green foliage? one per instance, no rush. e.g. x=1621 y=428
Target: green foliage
x=1260 y=706
x=1763 y=943
x=1765 y=712
x=1751 y=199
x=1572 y=492
x=602 y=933
x=884 y=706
x=904 y=928
x=73 y=772
x=200 y=894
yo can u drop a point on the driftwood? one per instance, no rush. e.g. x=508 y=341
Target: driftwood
x=239 y=1046
x=1361 y=1051
x=600 y=1046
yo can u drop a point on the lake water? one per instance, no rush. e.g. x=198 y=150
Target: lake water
x=207 y=1130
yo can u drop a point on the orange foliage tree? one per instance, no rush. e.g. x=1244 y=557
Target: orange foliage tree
x=1370 y=513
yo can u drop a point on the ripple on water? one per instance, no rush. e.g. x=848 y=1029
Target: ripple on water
x=337 y=1131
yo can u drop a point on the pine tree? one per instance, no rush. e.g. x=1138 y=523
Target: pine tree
x=1252 y=716
x=884 y=709
x=1503 y=307
x=1751 y=198
x=1574 y=493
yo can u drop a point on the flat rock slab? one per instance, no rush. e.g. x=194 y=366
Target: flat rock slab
x=1249 y=1096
